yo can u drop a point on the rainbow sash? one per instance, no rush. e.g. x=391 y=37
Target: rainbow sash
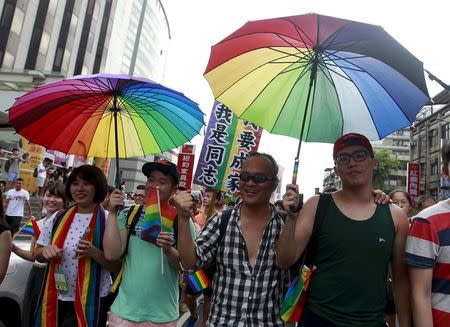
x=87 y=292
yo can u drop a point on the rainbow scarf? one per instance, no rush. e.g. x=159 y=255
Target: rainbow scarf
x=197 y=280
x=159 y=216
x=295 y=299
x=87 y=292
x=31 y=228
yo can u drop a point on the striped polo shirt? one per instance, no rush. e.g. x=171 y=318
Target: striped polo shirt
x=428 y=246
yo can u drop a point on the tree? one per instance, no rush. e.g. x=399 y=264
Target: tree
x=386 y=163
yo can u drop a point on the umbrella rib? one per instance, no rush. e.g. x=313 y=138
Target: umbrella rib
x=144 y=105
x=279 y=113
x=300 y=31
x=375 y=79
x=90 y=105
x=367 y=106
x=330 y=79
x=43 y=130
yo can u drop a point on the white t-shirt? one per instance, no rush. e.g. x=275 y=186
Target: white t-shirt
x=42 y=173
x=16 y=202
x=69 y=264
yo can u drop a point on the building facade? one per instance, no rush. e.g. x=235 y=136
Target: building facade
x=46 y=40
x=431 y=130
x=398 y=145
x=58 y=37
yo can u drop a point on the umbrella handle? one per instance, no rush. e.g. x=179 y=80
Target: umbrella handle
x=295 y=171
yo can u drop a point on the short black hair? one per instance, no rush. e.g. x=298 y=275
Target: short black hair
x=20 y=179
x=92 y=175
x=140 y=187
x=57 y=189
x=271 y=159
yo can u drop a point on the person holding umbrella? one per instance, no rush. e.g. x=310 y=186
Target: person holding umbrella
x=248 y=284
x=357 y=241
x=78 y=278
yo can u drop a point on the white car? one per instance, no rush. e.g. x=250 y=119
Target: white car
x=12 y=289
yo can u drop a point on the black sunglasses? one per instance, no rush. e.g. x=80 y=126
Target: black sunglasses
x=258 y=179
x=358 y=156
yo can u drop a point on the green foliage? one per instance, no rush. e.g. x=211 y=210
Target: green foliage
x=386 y=163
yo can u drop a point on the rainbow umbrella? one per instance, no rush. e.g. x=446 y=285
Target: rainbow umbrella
x=316 y=78
x=106 y=116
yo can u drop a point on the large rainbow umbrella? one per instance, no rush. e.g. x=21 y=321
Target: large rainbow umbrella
x=106 y=116
x=316 y=78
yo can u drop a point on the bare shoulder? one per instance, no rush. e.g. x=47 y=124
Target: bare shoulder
x=309 y=208
x=398 y=216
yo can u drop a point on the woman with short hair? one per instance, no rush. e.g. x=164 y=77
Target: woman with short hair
x=77 y=279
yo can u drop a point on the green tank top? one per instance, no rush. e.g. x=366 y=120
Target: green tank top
x=349 y=286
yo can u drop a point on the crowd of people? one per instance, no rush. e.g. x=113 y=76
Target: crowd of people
x=372 y=266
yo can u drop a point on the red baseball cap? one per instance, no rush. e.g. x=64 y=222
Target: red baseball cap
x=351 y=139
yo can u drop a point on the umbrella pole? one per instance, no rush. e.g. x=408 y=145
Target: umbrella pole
x=116 y=140
x=315 y=62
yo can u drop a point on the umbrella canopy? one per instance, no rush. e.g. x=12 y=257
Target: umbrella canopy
x=106 y=116
x=316 y=78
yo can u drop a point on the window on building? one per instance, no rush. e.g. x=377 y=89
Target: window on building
x=422 y=146
x=446 y=131
x=5 y=25
x=434 y=168
x=36 y=35
x=422 y=169
x=432 y=138
x=102 y=37
x=62 y=38
x=84 y=38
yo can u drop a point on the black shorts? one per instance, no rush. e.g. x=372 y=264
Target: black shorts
x=209 y=272
x=13 y=222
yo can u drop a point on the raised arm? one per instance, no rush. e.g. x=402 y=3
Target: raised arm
x=186 y=246
x=5 y=253
x=114 y=239
x=296 y=233
x=400 y=279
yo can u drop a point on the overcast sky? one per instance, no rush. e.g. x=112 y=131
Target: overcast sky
x=422 y=27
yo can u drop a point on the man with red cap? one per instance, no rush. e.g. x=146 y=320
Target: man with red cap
x=354 y=245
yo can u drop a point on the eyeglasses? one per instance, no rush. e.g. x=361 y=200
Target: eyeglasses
x=258 y=179
x=358 y=156
x=139 y=195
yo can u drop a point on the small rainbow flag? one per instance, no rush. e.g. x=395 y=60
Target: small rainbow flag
x=197 y=280
x=295 y=299
x=31 y=228
x=159 y=216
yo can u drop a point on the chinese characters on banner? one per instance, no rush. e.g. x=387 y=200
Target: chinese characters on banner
x=185 y=165
x=228 y=141
x=413 y=180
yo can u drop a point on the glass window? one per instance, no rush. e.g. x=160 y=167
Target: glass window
x=446 y=131
x=432 y=138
